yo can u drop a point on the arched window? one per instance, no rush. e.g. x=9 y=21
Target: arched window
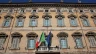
x=85 y=20
x=20 y=21
x=94 y=19
x=16 y=37
x=63 y=39
x=33 y=20
x=7 y=21
x=78 y=39
x=3 y=37
x=31 y=39
x=60 y=20
x=46 y=20
x=72 y=19
x=91 y=38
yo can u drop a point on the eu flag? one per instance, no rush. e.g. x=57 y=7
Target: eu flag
x=48 y=39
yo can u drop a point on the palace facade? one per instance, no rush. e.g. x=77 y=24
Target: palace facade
x=72 y=26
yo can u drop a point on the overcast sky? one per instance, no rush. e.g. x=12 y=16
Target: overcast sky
x=73 y=1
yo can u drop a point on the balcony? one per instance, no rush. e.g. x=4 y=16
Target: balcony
x=51 y=49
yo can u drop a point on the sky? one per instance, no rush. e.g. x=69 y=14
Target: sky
x=66 y=1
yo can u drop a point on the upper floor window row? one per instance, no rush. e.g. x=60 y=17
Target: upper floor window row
x=47 y=20
x=62 y=37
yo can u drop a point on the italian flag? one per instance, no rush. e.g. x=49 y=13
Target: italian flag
x=42 y=39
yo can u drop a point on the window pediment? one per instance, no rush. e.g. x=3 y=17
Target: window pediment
x=3 y=34
x=62 y=34
x=94 y=16
x=59 y=16
x=16 y=34
x=34 y=16
x=32 y=34
x=46 y=16
x=90 y=34
x=19 y=16
x=72 y=16
x=8 y=16
x=83 y=16
x=77 y=34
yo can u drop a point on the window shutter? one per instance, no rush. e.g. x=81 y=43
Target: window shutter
x=30 y=23
x=49 y=22
x=63 y=43
x=45 y=22
x=9 y=23
x=17 y=22
x=3 y=24
x=85 y=22
x=79 y=42
x=94 y=21
x=60 y=22
x=15 y=42
x=23 y=22
x=31 y=44
x=2 y=40
x=73 y=22
x=92 y=41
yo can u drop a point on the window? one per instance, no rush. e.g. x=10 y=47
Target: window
x=7 y=21
x=78 y=42
x=3 y=37
x=73 y=21
x=85 y=20
x=78 y=39
x=10 y=11
x=70 y=11
x=91 y=11
x=33 y=20
x=91 y=38
x=16 y=37
x=58 y=10
x=92 y=41
x=60 y=20
x=63 y=42
x=81 y=11
x=63 y=39
x=31 y=43
x=46 y=10
x=15 y=42
x=22 y=11
x=94 y=19
x=20 y=22
x=31 y=37
x=34 y=11
x=47 y=20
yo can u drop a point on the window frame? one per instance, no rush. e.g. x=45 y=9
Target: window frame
x=17 y=21
x=76 y=46
x=29 y=38
x=82 y=20
x=9 y=19
x=48 y=22
x=30 y=22
x=75 y=19
x=63 y=38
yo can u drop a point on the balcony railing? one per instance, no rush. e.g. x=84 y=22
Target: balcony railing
x=44 y=48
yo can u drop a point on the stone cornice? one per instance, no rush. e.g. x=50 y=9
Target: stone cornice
x=47 y=5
